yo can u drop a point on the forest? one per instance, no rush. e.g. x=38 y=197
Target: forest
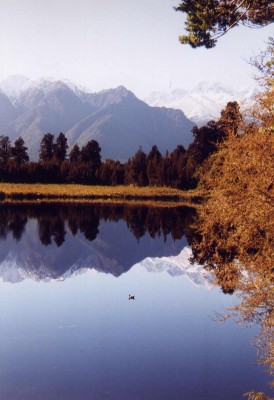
x=84 y=165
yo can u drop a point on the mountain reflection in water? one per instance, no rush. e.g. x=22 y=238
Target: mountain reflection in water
x=68 y=238
x=81 y=339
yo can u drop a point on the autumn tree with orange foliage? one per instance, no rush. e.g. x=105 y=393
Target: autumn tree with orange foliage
x=234 y=232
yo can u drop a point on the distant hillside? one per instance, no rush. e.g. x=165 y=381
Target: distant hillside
x=116 y=118
x=8 y=112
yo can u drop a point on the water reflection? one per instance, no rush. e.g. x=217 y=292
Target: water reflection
x=241 y=259
x=52 y=219
x=162 y=346
x=180 y=265
x=45 y=241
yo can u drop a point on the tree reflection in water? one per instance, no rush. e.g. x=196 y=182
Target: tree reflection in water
x=54 y=219
x=246 y=271
x=242 y=264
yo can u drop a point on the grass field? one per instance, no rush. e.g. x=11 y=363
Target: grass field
x=55 y=192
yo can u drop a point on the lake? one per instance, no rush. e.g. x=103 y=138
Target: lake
x=68 y=330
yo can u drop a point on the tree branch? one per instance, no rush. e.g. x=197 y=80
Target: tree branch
x=232 y=25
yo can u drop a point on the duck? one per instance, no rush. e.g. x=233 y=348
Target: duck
x=130 y=297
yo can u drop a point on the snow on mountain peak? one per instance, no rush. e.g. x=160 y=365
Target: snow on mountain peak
x=13 y=85
x=203 y=102
x=180 y=265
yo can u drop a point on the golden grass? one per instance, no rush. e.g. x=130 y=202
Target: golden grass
x=50 y=192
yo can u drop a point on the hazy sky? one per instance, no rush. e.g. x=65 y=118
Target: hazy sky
x=103 y=44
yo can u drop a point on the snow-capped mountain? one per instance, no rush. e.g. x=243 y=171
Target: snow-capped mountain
x=116 y=118
x=180 y=265
x=13 y=86
x=203 y=102
x=18 y=267
x=28 y=258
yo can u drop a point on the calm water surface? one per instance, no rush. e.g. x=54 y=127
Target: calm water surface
x=68 y=330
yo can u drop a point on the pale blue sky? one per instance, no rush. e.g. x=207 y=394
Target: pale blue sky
x=103 y=44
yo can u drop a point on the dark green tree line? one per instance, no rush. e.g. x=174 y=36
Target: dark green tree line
x=84 y=165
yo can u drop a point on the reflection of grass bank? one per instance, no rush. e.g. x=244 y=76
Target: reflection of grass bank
x=53 y=192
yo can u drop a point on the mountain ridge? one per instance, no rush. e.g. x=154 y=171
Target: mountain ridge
x=116 y=118
x=203 y=102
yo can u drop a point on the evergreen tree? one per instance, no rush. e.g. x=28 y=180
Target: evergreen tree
x=177 y=167
x=5 y=149
x=91 y=152
x=118 y=174
x=230 y=120
x=165 y=171
x=208 y=20
x=46 y=148
x=111 y=173
x=90 y=161
x=207 y=139
x=136 y=169
x=154 y=160
x=19 y=151
x=60 y=148
x=75 y=154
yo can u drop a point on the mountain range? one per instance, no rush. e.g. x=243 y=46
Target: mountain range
x=116 y=118
x=29 y=259
x=203 y=102
x=180 y=265
x=114 y=251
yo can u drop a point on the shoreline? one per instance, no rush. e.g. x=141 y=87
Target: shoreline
x=12 y=193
